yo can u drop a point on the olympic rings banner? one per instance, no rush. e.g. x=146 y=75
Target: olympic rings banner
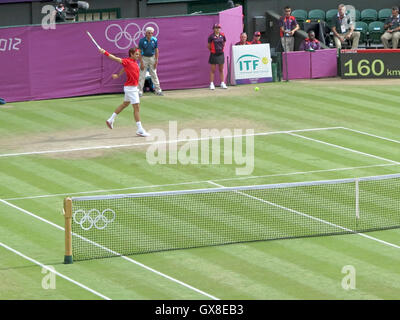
x=93 y=218
x=42 y=64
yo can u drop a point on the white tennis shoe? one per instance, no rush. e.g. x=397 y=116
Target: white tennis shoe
x=110 y=124
x=142 y=133
x=223 y=85
x=212 y=87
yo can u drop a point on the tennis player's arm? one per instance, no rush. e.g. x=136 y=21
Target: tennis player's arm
x=111 y=56
x=116 y=76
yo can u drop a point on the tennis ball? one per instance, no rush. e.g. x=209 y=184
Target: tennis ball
x=256 y=88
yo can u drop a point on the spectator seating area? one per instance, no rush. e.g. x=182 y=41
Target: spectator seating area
x=369 y=22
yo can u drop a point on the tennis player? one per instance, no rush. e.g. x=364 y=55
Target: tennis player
x=131 y=90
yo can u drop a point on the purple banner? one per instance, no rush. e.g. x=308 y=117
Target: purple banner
x=43 y=64
x=324 y=63
x=307 y=65
x=296 y=65
x=253 y=81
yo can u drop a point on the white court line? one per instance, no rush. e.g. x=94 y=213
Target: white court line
x=372 y=135
x=201 y=181
x=344 y=148
x=54 y=271
x=313 y=218
x=116 y=253
x=160 y=142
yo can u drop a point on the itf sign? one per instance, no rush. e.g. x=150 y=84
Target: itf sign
x=252 y=63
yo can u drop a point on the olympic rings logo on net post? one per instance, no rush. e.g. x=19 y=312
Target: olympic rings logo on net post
x=130 y=35
x=93 y=218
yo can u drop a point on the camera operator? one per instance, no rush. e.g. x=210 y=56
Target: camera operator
x=66 y=10
x=60 y=14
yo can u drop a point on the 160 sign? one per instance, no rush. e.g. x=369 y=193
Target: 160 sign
x=373 y=64
x=364 y=68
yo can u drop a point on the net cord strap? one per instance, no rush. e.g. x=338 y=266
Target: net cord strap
x=241 y=188
x=357 y=198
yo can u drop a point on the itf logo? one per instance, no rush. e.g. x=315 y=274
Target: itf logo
x=251 y=63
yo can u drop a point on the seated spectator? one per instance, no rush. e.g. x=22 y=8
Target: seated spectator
x=288 y=26
x=310 y=43
x=243 y=40
x=256 y=38
x=343 y=29
x=392 y=27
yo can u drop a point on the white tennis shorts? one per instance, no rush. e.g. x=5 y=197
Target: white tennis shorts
x=131 y=94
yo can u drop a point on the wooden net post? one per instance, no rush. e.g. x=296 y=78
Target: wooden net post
x=68 y=230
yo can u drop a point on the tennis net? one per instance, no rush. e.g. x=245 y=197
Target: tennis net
x=125 y=224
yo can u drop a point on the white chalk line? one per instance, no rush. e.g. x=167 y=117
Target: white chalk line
x=161 y=142
x=344 y=148
x=113 y=252
x=55 y=272
x=372 y=135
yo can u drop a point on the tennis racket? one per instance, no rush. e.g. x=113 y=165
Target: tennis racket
x=94 y=41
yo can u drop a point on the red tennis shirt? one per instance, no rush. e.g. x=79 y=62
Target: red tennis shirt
x=132 y=71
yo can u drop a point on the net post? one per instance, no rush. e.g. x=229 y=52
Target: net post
x=357 y=198
x=68 y=230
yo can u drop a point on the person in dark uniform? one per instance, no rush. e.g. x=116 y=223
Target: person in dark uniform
x=216 y=44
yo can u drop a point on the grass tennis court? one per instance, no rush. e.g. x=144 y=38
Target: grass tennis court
x=315 y=130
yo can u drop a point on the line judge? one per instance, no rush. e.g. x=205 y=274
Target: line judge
x=149 y=61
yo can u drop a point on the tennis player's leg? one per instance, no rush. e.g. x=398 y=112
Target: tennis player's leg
x=136 y=114
x=132 y=94
x=110 y=121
